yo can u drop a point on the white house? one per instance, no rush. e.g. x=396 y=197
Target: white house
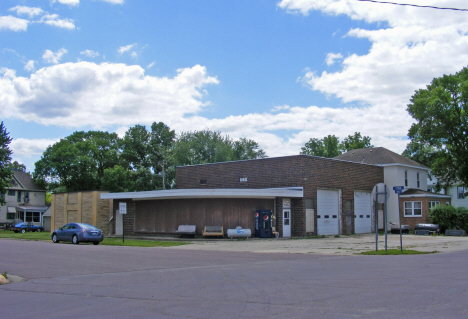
x=25 y=200
x=398 y=171
x=459 y=198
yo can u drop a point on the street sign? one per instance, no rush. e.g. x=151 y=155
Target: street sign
x=398 y=189
x=123 y=208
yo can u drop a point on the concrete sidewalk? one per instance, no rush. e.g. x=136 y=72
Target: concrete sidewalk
x=342 y=245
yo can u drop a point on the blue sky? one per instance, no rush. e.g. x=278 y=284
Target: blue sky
x=278 y=72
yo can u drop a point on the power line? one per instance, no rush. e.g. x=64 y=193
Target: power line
x=414 y=5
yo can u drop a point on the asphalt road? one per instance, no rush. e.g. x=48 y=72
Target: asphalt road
x=86 y=281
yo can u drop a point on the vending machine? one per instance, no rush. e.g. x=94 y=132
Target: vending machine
x=265 y=229
x=258 y=212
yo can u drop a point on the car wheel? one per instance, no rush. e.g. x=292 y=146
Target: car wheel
x=95 y=243
x=54 y=238
x=75 y=240
x=23 y=231
x=38 y=230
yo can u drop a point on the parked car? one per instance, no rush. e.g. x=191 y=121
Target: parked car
x=77 y=233
x=26 y=226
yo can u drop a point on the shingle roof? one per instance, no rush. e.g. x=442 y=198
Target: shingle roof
x=377 y=156
x=26 y=181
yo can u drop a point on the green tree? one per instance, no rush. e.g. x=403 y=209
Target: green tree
x=78 y=161
x=117 y=179
x=135 y=147
x=5 y=158
x=355 y=141
x=201 y=147
x=440 y=131
x=17 y=166
x=326 y=147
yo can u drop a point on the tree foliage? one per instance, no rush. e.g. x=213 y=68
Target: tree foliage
x=448 y=217
x=439 y=138
x=201 y=147
x=136 y=162
x=5 y=158
x=330 y=146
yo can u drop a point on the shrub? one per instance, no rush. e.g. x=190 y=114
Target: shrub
x=449 y=217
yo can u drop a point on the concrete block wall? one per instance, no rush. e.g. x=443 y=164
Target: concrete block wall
x=81 y=207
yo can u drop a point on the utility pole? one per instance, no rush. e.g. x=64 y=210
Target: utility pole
x=163 y=163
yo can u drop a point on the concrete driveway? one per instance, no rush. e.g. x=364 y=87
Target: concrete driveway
x=342 y=245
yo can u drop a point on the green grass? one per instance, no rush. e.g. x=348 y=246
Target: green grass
x=27 y=235
x=397 y=252
x=106 y=241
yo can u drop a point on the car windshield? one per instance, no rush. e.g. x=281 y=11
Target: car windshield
x=90 y=227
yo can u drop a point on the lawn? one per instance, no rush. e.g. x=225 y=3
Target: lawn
x=397 y=252
x=106 y=241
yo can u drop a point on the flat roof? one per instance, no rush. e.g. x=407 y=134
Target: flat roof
x=264 y=193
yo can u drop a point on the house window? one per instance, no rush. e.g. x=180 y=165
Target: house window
x=417 y=179
x=406 y=178
x=34 y=217
x=243 y=179
x=413 y=209
x=18 y=196
x=430 y=190
x=460 y=192
x=203 y=182
x=26 y=196
x=433 y=204
x=11 y=193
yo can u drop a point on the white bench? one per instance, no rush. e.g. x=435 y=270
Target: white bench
x=189 y=230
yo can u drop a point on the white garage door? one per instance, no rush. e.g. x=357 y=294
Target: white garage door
x=362 y=212
x=327 y=212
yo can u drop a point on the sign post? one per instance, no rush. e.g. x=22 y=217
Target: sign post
x=123 y=211
x=398 y=190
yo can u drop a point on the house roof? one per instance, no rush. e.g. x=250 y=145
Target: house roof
x=267 y=193
x=26 y=181
x=414 y=192
x=378 y=156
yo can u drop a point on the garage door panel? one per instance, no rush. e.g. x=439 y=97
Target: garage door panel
x=362 y=212
x=327 y=212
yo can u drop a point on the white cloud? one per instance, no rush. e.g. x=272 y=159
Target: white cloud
x=101 y=95
x=331 y=57
x=66 y=2
x=13 y=23
x=29 y=66
x=126 y=48
x=54 y=58
x=25 y=148
x=90 y=53
x=54 y=20
x=149 y=66
x=30 y=11
x=134 y=55
x=114 y=1
x=408 y=49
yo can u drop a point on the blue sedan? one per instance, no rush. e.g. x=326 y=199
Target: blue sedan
x=25 y=226
x=78 y=232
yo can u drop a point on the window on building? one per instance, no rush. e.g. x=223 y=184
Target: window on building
x=417 y=179
x=11 y=213
x=243 y=179
x=429 y=189
x=309 y=203
x=26 y=196
x=34 y=217
x=433 y=204
x=460 y=192
x=413 y=209
x=11 y=192
x=406 y=178
x=203 y=182
x=18 y=196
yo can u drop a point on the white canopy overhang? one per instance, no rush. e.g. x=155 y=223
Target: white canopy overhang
x=263 y=193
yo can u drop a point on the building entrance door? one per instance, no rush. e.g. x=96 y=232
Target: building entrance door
x=286 y=222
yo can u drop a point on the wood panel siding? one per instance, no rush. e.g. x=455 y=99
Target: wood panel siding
x=164 y=216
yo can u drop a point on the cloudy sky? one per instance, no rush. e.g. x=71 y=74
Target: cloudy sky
x=277 y=72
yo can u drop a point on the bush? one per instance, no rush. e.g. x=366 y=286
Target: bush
x=448 y=217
